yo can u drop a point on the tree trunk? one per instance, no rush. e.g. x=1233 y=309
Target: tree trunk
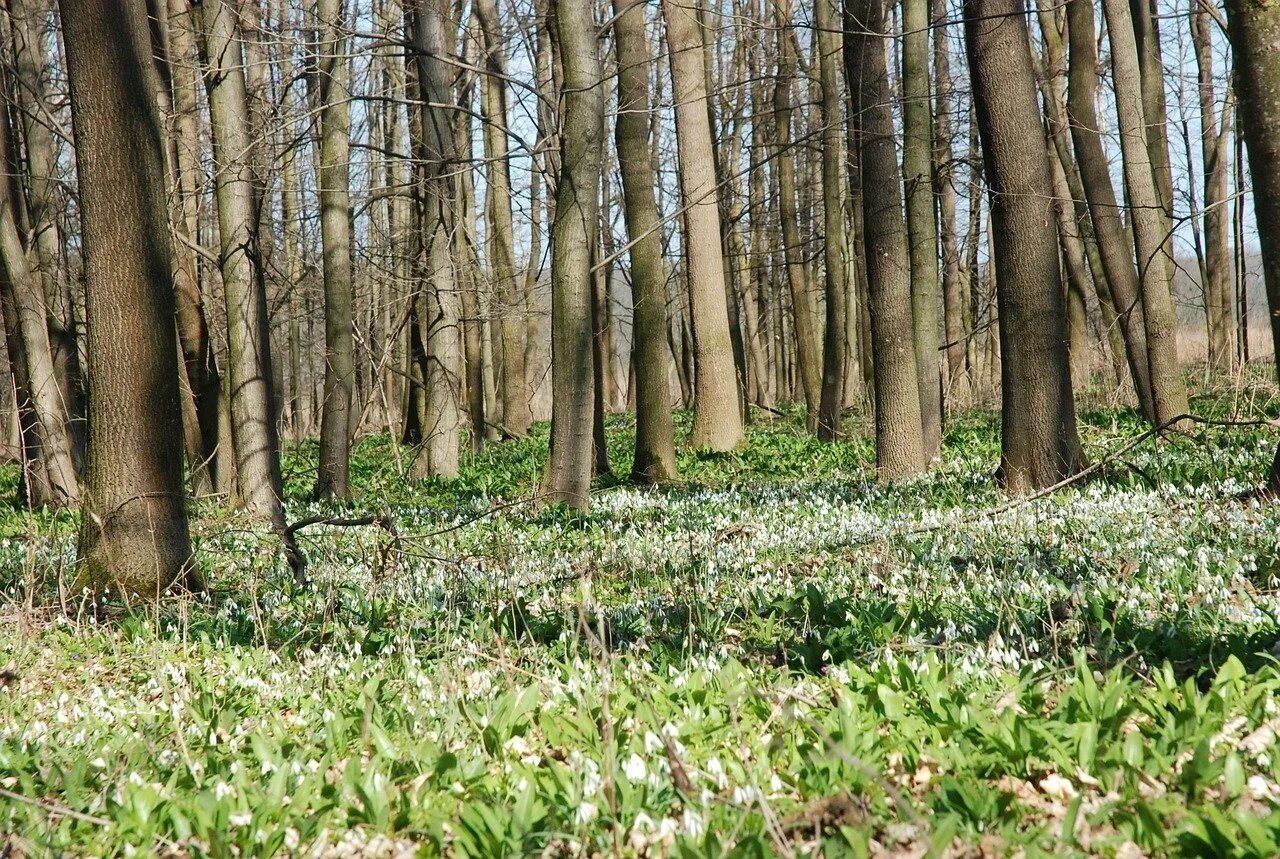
x=1152 y=240
x=517 y=416
x=47 y=404
x=43 y=204
x=717 y=422
x=1095 y=175
x=133 y=536
x=922 y=230
x=569 y=470
x=802 y=304
x=252 y=398
x=833 y=144
x=1254 y=26
x=655 y=457
x=438 y=313
x=1214 y=139
x=334 y=192
x=953 y=292
x=1039 y=442
x=899 y=438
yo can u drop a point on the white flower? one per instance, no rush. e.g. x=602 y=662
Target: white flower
x=586 y=813
x=243 y=818
x=692 y=823
x=634 y=768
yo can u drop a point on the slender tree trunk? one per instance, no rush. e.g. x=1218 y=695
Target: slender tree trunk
x=133 y=535
x=922 y=230
x=655 y=457
x=211 y=463
x=829 y=46
x=1152 y=240
x=953 y=297
x=1254 y=26
x=334 y=191
x=438 y=314
x=717 y=422
x=48 y=406
x=252 y=398
x=899 y=439
x=1095 y=174
x=569 y=470
x=1039 y=442
x=803 y=312
x=44 y=245
x=516 y=396
x=1214 y=139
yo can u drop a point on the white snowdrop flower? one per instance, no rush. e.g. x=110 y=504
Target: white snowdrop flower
x=692 y=823
x=585 y=813
x=651 y=743
x=222 y=790
x=268 y=767
x=634 y=768
x=136 y=780
x=243 y=818
x=326 y=716
x=99 y=763
x=775 y=783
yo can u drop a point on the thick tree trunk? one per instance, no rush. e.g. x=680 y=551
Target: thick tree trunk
x=1152 y=239
x=133 y=535
x=717 y=422
x=655 y=457
x=899 y=439
x=569 y=470
x=252 y=398
x=1039 y=442
x=334 y=192
x=1254 y=26
x=922 y=230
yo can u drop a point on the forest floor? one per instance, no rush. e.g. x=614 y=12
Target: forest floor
x=776 y=657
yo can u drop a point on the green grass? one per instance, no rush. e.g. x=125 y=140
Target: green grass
x=776 y=657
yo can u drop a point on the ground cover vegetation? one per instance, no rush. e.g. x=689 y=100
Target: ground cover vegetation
x=778 y=656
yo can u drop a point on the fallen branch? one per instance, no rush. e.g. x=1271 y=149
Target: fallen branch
x=297 y=558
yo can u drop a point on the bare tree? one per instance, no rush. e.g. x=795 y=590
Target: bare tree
x=655 y=458
x=717 y=422
x=333 y=179
x=899 y=438
x=573 y=228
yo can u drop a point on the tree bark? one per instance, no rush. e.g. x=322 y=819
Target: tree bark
x=717 y=422
x=803 y=313
x=900 y=449
x=133 y=536
x=334 y=192
x=438 y=314
x=922 y=230
x=1254 y=26
x=252 y=398
x=569 y=470
x=1039 y=442
x=1095 y=174
x=1215 y=135
x=655 y=457
x=830 y=49
x=1152 y=240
